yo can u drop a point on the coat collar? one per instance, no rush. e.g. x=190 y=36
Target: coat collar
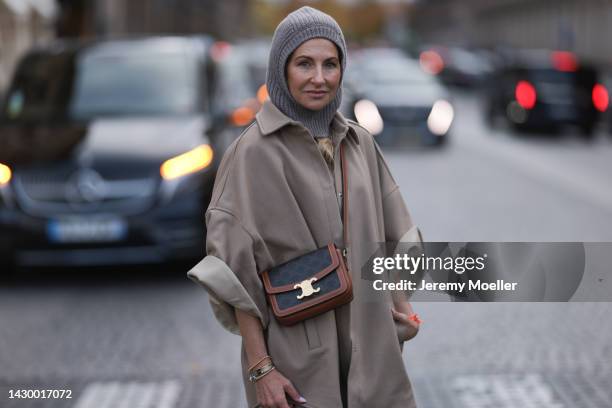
x=270 y=119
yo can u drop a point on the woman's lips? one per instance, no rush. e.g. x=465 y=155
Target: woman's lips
x=317 y=93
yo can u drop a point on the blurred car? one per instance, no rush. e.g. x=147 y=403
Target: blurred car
x=256 y=53
x=389 y=94
x=109 y=153
x=606 y=80
x=456 y=66
x=240 y=88
x=537 y=89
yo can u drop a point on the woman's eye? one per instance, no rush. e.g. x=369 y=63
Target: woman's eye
x=303 y=64
x=331 y=65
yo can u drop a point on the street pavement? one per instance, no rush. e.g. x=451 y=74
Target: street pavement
x=143 y=338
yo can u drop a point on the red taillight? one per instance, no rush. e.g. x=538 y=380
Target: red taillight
x=601 y=98
x=525 y=94
x=564 y=61
x=431 y=62
x=219 y=50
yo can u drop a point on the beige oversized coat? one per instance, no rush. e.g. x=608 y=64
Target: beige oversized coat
x=275 y=198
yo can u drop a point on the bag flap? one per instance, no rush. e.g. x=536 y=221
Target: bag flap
x=315 y=264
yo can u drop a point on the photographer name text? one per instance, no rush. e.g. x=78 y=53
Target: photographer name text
x=478 y=285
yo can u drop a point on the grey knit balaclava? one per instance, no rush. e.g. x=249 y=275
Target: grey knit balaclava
x=302 y=25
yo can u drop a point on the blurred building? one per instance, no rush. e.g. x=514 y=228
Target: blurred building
x=582 y=26
x=106 y=18
x=23 y=23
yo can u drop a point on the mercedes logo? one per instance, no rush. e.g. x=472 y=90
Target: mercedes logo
x=86 y=186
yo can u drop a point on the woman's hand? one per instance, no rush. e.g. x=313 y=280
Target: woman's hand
x=271 y=391
x=272 y=387
x=407 y=322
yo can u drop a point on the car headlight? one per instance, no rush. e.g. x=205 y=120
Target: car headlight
x=187 y=163
x=5 y=174
x=440 y=118
x=368 y=116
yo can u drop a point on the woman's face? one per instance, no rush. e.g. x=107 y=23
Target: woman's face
x=313 y=73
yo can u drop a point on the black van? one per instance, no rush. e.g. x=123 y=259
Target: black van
x=108 y=153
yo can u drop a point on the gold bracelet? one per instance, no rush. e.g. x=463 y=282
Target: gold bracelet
x=259 y=362
x=258 y=374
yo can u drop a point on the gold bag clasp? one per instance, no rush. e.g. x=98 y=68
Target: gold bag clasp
x=306 y=286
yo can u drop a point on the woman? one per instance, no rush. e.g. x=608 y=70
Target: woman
x=277 y=196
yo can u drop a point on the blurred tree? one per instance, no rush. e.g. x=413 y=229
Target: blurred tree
x=365 y=21
x=360 y=20
x=266 y=16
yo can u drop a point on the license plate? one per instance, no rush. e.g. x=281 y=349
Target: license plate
x=566 y=112
x=86 y=229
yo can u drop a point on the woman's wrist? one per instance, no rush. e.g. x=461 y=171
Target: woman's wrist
x=253 y=340
x=403 y=306
x=260 y=362
x=261 y=371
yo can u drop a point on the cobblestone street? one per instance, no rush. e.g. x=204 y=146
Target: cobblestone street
x=137 y=339
x=156 y=345
x=513 y=355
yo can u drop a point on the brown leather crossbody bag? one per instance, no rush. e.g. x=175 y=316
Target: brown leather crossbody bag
x=315 y=282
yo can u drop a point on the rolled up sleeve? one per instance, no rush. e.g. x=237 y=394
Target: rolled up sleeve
x=401 y=234
x=398 y=223
x=229 y=272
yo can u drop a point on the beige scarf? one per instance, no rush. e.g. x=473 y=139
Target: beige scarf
x=326 y=147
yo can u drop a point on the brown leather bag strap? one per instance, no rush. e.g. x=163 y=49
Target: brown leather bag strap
x=345 y=213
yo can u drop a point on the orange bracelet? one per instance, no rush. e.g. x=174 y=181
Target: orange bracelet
x=259 y=362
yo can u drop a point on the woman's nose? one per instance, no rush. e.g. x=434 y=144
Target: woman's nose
x=318 y=76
